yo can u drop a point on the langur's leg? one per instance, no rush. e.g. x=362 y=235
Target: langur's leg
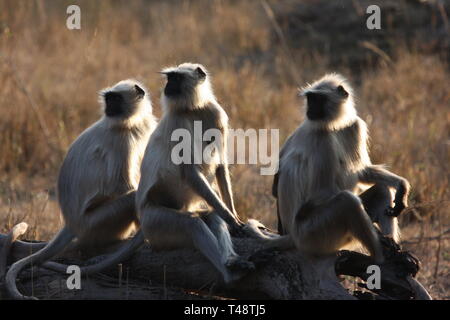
x=109 y=222
x=238 y=264
x=167 y=228
x=220 y=229
x=377 y=201
x=325 y=228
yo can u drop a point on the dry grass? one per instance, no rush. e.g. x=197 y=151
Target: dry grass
x=50 y=76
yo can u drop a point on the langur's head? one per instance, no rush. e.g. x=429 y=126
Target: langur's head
x=187 y=87
x=125 y=100
x=329 y=102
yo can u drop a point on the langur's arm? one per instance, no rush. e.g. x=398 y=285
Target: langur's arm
x=223 y=179
x=275 y=185
x=286 y=146
x=377 y=174
x=201 y=186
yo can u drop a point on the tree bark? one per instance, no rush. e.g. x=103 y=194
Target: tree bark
x=186 y=274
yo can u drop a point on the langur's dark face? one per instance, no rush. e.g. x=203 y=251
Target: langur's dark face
x=180 y=84
x=317 y=104
x=114 y=104
x=324 y=106
x=175 y=84
x=122 y=104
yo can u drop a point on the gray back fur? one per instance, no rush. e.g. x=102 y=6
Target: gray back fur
x=320 y=159
x=104 y=161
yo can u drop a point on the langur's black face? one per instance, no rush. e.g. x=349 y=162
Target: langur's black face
x=317 y=104
x=325 y=106
x=175 y=83
x=180 y=84
x=114 y=104
x=122 y=104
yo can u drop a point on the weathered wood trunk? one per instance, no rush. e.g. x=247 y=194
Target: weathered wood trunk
x=186 y=274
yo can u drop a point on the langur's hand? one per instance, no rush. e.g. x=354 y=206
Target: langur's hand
x=399 y=206
x=236 y=223
x=229 y=217
x=239 y=222
x=396 y=210
x=401 y=199
x=236 y=227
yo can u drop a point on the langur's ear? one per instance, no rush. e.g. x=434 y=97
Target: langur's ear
x=200 y=72
x=342 y=91
x=139 y=91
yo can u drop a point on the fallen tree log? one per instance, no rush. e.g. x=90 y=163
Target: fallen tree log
x=8 y=241
x=186 y=274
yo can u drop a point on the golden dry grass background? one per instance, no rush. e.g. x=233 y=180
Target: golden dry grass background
x=50 y=77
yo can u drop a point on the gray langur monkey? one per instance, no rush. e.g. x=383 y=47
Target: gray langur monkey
x=321 y=165
x=98 y=178
x=170 y=195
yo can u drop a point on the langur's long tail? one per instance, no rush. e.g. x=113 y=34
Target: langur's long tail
x=122 y=254
x=55 y=246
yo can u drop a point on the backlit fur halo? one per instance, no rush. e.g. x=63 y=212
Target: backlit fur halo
x=327 y=85
x=202 y=93
x=143 y=109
